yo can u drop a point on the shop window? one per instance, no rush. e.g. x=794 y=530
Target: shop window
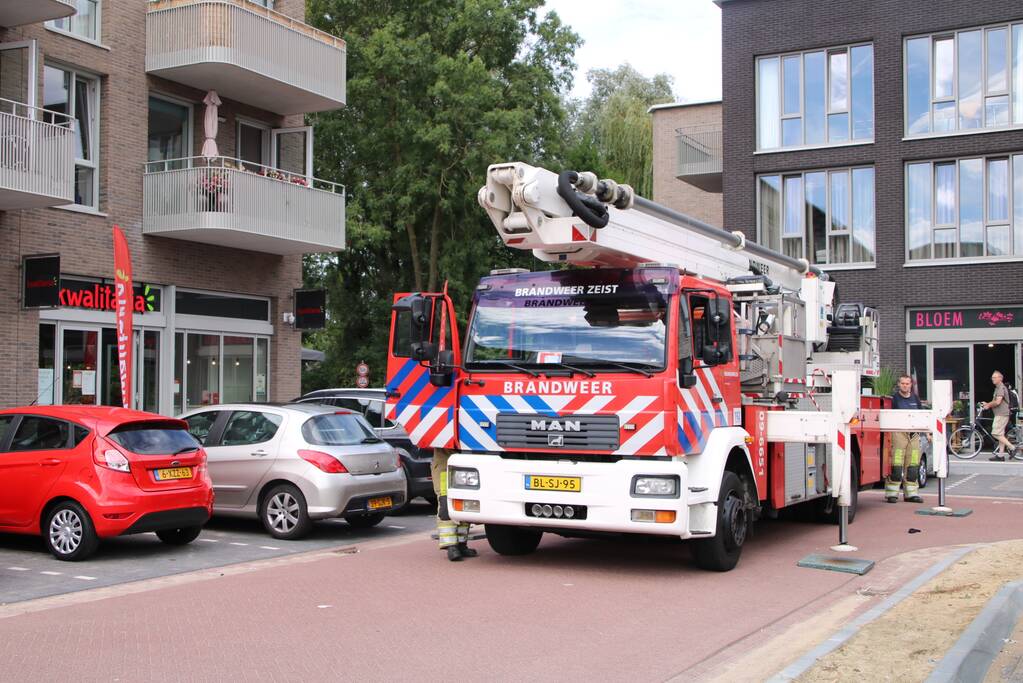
x=918 y=369
x=219 y=369
x=262 y=368
x=47 y=380
x=179 y=373
x=238 y=366
x=202 y=358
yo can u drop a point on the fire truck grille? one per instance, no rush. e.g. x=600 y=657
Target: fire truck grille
x=569 y=432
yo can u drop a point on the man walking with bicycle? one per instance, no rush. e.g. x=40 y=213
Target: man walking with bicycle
x=905 y=449
x=999 y=405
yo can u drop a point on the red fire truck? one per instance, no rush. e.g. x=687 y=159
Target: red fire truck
x=670 y=378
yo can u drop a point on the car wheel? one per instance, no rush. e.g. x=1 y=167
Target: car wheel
x=68 y=532
x=365 y=521
x=721 y=552
x=512 y=540
x=182 y=536
x=922 y=478
x=284 y=513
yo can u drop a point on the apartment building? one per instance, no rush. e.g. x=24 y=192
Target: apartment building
x=883 y=141
x=687 y=158
x=105 y=119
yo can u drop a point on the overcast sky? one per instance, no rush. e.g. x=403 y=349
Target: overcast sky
x=679 y=37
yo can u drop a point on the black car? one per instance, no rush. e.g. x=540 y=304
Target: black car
x=370 y=402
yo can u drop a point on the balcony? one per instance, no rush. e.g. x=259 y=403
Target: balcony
x=236 y=204
x=21 y=12
x=699 y=157
x=37 y=162
x=246 y=53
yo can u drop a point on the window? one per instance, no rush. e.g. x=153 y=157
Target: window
x=84 y=23
x=815 y=98
x=77 y=95
x=269 y=4
x=170 y=125
x=5 y=422
x=40 y=434
x=154 y=438
x=333 y=429
x=219 y=369
x=200 y=424
x=964 y=80
x=253 y=145
x=965 y=208
x=248 y=427
x=826 y=217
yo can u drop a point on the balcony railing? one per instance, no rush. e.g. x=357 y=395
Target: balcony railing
x=37 y=163
x=237 y=204
x=246 y=53
x=22 y=12
x=699 y=156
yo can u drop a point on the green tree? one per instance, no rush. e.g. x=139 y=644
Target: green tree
x=437 y=91
x=611 y=131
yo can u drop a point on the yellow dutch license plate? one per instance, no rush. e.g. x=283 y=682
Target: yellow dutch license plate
x=174 y=473
x=382 y=502
x=536 y=482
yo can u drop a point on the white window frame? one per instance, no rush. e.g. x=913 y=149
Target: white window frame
x=95 y=90
x=189 y=133
x=183 y=351
x=828 y=51
x=263 y=127
x=95 y=40
x=986 y=223
x=984 y=93
x=829 y=232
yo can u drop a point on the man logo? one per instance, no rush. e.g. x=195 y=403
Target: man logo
x=555 y=426
x=556 y=440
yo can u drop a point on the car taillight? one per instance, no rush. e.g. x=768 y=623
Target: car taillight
x=327 y=463
x=111 y=458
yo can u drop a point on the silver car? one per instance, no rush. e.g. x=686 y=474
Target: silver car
x=291 y=464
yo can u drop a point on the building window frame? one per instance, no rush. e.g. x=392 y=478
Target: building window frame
x=189 y=141
x=830 y=215
x=93 y=89
x=1012 y=223
x=1012 y=90
x=828 y=108
x=65 y=26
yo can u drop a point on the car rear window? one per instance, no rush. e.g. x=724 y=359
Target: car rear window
x=154 y=438
x=337 y=429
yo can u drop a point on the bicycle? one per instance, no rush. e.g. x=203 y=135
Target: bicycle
x=968 y=440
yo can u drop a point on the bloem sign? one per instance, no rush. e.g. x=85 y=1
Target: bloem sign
x=965 y=318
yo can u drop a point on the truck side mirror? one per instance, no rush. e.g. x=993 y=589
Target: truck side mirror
x=686 y=376
x=424 y=351
x=442 y=372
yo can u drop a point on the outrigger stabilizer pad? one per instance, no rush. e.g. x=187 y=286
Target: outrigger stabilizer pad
x=848 y=565
x=945 y=512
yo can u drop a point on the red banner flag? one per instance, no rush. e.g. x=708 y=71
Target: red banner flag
x=124 y=306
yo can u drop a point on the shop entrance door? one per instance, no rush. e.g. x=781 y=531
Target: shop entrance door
x=954 y=363
x=986 y=359
x=80 y=365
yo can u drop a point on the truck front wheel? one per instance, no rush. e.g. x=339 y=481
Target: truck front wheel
x=721 y=553
x=512 y=540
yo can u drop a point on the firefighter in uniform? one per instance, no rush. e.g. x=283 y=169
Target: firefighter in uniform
x=905 y=449
x=454 y=538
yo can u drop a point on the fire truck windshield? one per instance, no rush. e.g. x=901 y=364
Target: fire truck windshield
x=581 y=318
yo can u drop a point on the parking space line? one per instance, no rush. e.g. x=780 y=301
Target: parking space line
x=269 y=547
x=52 y=573
x=209 y=540
x=86 y=578
x=19 y=569
x=395 y=526
x=237 y=543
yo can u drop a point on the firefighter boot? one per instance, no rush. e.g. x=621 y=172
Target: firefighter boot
x=894 y=481
x=912 y=483
x=454 y=553
x=463 y=541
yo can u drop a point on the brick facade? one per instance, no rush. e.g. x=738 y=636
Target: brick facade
x=757 y=27
x=668 y=189
x=83 y=239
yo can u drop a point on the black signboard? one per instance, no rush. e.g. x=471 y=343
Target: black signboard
x=41 y=281
x=965 y=318
x=310 y=309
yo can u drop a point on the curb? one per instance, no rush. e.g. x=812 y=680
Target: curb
x=809 y=659
x=1002 y=469
x=972 y=655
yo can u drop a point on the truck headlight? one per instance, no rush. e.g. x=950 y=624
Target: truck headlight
x=658 y=487
x=463 y=478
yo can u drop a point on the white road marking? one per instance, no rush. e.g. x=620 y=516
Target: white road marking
x=394 y=526
x=323 y=606
x=269 y=547
x=209 y=540
x=237 y=543
x=19 y=569
x=52 y=573
x=86 y=578
x=968 y=477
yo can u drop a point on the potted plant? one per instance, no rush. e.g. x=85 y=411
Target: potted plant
x=213 y=186
x=885 y=382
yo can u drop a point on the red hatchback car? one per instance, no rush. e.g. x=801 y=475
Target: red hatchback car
x=76 y=474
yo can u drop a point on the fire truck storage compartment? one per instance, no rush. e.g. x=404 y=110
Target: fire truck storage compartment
x=803 y=476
